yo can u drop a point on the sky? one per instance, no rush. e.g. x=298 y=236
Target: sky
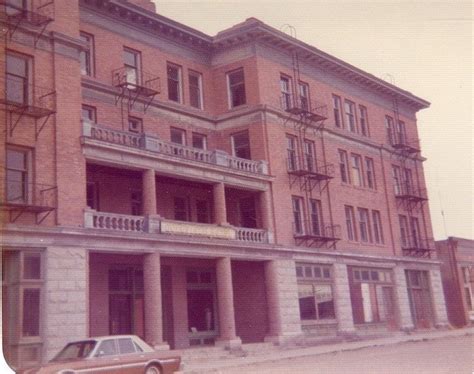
x=424 y=47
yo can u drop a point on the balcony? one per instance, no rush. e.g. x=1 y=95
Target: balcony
x=40 y=14
x=310 y=169
x=158 y=225
x=407 y=193
x=174 y=151
x=408 y=147
x=311 y=234
x=21 y=197
x=134 y=84
x=417 y=247
x=302 y=107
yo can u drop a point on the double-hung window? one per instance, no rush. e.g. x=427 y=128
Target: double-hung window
x=364 y=225
x=370 y=172
x=401 y=134
x=415 y=232
x=236 y=87
x=291 y=150
x=344 y=166
x=174 y=82
x=349 y=107
x=195 y=89
x=199 y=140
x=390 y=129
x=17 y=79
x=404 y=231
x=316 y=214
x=178 y=136
x=17 y=175
x=87 y=56
x=241 y=145
x=336 y=102
x=309 y=155
x=89 y=114
x=350 y=222
x=304 y=96
x=356 y=170
x=377 y=224
x=131 y=61
x=397 y=183
x=363 y=121
x=407 y=181
x=285 y=88
x=297 y=203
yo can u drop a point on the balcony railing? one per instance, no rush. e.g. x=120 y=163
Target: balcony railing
x=315 y=111
x=308 y=167
x=157 y=225
x=416 y=246
x=311 y=229
x=136 y=80
x=25 y=98
x=401 y=143
x=40 y=13
x=29 y=196
x=408 y=192
x=153 y=144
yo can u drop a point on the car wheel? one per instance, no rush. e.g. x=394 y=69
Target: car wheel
x=152 y=369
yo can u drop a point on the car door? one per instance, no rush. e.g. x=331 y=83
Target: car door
x=107 y=358
x=132 y=358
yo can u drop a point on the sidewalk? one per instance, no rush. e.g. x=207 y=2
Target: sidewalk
x=281 y=353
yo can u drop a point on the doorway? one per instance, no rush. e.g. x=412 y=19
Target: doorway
x=420 y=298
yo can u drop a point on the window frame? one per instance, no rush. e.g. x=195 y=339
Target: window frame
x=357 y=177
x=26 y=79
x=389 y=126
x=136 y=67
x=195 y=135
x=231 y=89
x=304 y=99
x=137 y=121
x=182 y=134
x=89 y=54
x=397 y=181
x=25 y=171
x=350 y=223
x=364 y=225
x=298 y=214
x=316 y=217
x=178 y=82
x=337 y=111
x=309 y=153
x=404 y=230
x=350 y=115
x=364 y=121
x=291 y=152
x=89 y=109
x=286 y=92
x=236 y=150
x=370 y=173
x=344 y=166
x=377 y=226
x=199 y=88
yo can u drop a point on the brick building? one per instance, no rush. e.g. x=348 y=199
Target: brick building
x=457 y=273
x=198 y=190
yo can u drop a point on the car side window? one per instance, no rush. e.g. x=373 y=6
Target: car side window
x=137 y=347
x=126 y=346
x=107 y=348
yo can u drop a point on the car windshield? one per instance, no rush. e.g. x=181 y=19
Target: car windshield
x=74 y=351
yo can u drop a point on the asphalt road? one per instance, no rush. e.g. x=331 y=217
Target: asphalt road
x=453 y=355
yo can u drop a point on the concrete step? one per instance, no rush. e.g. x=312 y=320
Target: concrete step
x=203 y=353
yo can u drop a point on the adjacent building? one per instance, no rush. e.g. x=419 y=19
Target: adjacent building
x=198 y=190
x=457 y=272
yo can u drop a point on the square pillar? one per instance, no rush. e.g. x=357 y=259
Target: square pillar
x=225 y=302
x=440 y=315
x=220 y=210
x=282 y=300
x=342 y=300
x=153 y=303
x=149 y=192
x=405 y=319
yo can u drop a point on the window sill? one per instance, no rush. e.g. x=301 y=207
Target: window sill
x=310 y=322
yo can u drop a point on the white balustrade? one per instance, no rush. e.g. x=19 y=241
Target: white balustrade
x=115 y=136
x=113 y=221
x=251 y=235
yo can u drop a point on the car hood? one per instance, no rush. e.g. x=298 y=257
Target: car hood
x=54 y=367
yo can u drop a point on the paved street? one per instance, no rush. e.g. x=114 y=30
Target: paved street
x=453 y=355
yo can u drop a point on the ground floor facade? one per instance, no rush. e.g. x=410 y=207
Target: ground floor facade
x=178 y=293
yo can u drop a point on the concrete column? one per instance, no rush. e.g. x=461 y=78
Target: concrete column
x=405 y=319
x=439 y=303
x=153 y=307
x=266 y=211
x=225 y=301
x=342 y=300
x=220 y=211
x=282 y=301
x=149 y=192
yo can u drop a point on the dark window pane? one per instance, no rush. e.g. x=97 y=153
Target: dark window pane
x=32 y=266
x=17 y=66
x=119 y=280
x=31 y=310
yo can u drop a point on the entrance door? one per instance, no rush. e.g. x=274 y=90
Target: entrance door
x=420 y=298
x=389 y=307
x=120 y=312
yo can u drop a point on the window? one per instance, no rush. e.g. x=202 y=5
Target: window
x=370 y=172
x=407 y=181
x=304 y=96
x=236 y=86
x=285 y=88
x=178 y=136
x=135 y=125
x=316 y=215
x=297 y=203
x=181 y=211
x=195 y=89
x=349 y=107
x=241 y=145
x=136 y=200
x=389 y=128
x=14 y=7
x=356 y=169
x=248 y=213
x=315 y=295
x=377 y=224
x=291 y=152
x=17 y=79
x=401 y=134
x=93 y=195
x=174 y=82
x=309 y=158
x=363 y=121
x=336 y=102
x=415 y=232
x=87 y=56
x=364 y=225
x=89 y=114
x=31 y=312
x=344 y=166
x=199 y=141
x=126 y=345
x=107 y=348
x=17 y=175
x=397 y=185
x=203 y=211
x=467 y=283
x=31 y=266
x=131 y=60
x=405 y=240
x=350 y=222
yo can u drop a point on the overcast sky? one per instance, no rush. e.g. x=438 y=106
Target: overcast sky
x=425 y=46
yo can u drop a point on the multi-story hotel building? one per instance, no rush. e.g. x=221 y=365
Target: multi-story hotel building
x=198 y=190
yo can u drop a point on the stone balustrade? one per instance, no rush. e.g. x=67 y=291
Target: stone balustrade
x=158 y=225
x=154 y=144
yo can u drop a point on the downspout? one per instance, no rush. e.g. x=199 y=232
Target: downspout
x=387 y=201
